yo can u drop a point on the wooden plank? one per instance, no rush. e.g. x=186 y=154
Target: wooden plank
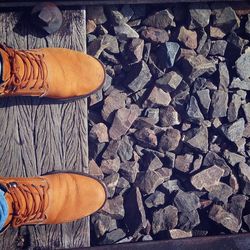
x=40 y=135
x=103 y=2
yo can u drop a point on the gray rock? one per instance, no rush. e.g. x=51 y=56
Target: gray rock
x=204 y=99
x=219 y=192
x=113 y=102
x=156 y=199
x=236 y=206
x=123 y=120
x=167 y=53
x=110 y=166
x=197 y=138
x=226 y=19
x=125 y=32
x=147 y=238
x=146 y=52
x=146 y=137
x=111 y=150
x=110 y=183
x=96 y=97
x=135 y=217
x=187 y=37
x=161 y=19
x=202 y=39
x=165 y=173
x=240 y=84
x=226 y=219
x=151 y=161
x=199 y=15
x=242 y=65
x=157 y=98
x=122 y=186
x=114 y=208
x=189 y=220
x=179 y=234
x=148 y=181
x=195 y=66
x=234 y=131
x=219 y=104
x=224 y=76
x=233 y=108
x=193 y=110
x=172 y=185
x=170 y=159
x=125 y=150
x=170 y=81
x=246 y=219
x=155 y=35
x=207 y=178
x=164 y=219
x=218 y=48
x=169 y=117
x=234 y=184
x=99 y=133
x=114 y=236
x=244 y=173
x=236 y=45
x=183 y=162
x=233 y=158
x=153 y=114
x=246 y=108
x=170 y=140
x=129 y=170
x=186 y=202
x=138 y=76
x=134 y=52
x=96 y=13
x=94 y=170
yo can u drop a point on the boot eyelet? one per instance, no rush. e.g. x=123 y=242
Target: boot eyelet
x=12 y=184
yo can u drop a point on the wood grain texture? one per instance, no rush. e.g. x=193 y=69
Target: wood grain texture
x=40 y=135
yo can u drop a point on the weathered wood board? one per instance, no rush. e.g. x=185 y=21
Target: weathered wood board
x=39 y=135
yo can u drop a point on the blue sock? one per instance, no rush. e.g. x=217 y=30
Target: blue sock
x=3 y=209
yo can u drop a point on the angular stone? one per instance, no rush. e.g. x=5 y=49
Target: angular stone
x=189 y=220
x=151 y=161
x=94 y=170
x=96 y=97
x=202 y=39
x=216 y=33
x=233 y=108
x=90 y=26
x=135 y=50
x=114 y=208
x=167 y=53
x=147 y=238
x=187 y=37
x=219 y=104
x=113 y=102
x=240 y=84
x=234 y=184
x=204 y=99
x=148 y=181
x=156 y=199
x=169 y=117
x=207 y=178
x=165 y=219
x=152 y=114
x=113 y=236
x=127 y=12
x=179 y=234
x=242 y=65
x=155 y=35
x=135 y=217
x=246 y=108
x=183 y=162
x=110 y=183
x=172 y=185
x=122 y=186
x=111 y=150
x=224 y=76
x=99 y=133
x=219 y=192
x=234 y=131
x=157 y=98
x=125 y=32
x=218 y=48
x=197 y=163
x=115 y=16
x=226 y=19
x=138 y=76
x=233 y=158
x=236 y=206
x=193 y=110
x=129 y=170
x=161 y=19
x=244 y=173
x=110 y=166
x=186 y=202
x=96 y=13
x=226 y=219
x=170 y=81
x=195 y=66
x=125 y=150
x=170 y=159
x=165 y=173
x=197 y=138
x=146 y=137
x=123 y=120
x=170 y=140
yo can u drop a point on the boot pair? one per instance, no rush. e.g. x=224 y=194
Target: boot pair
x=53 y=73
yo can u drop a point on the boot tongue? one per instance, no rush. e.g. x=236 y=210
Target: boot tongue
x=5 y=66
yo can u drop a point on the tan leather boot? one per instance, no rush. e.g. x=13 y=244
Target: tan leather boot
x=50 y=72
x=52 y=199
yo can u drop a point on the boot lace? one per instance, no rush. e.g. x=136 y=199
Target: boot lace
x=35 y=71
x=29 y=203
